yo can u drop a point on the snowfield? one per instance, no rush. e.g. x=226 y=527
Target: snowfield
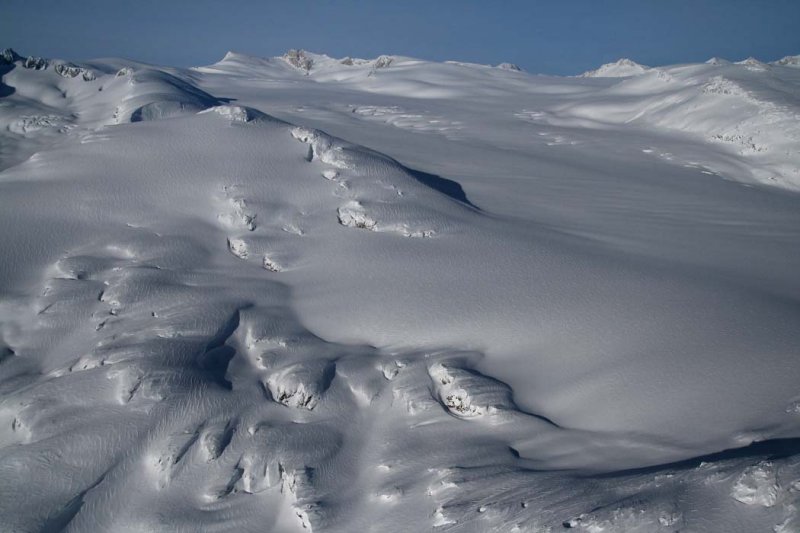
x=315 y=294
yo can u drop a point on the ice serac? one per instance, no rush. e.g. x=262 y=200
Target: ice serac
x=398 y=295
x=9 y=56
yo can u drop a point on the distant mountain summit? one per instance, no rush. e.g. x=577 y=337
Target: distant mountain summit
x=310 y=63
x=509 y=66
x=788 y=61
x=622 y=68
x=8 y=56
x=753 y=64
x=63 y=68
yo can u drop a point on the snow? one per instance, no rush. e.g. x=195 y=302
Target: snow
x=509 y=66
x=619 y=69
x=309 y=293
x=788 y=61
x=8 y=56
x=757 y=486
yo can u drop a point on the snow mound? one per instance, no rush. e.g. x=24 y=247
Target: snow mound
x=271 y=264
x=236 y=113
x=467 y=394
x=353 y=215
x=148 y=94
x=239 y=248
x=301 y=385
x=321 y=147
x=163 y=109
x=621 y=68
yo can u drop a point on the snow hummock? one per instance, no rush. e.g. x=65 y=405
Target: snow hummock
x=354 y=215
x=235 y=113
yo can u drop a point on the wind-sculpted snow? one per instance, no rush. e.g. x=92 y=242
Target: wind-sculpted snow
x=408 y=120
x=217 y=314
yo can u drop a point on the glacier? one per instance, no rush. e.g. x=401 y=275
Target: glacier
x=308 y=293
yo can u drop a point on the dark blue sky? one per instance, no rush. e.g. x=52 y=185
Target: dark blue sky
x=548 y=36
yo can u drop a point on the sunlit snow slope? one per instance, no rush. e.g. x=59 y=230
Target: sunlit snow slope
x=394 y=295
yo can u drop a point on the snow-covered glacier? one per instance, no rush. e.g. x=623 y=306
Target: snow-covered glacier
x=305 y=293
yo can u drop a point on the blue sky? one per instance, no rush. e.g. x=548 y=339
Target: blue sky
x=547 y=36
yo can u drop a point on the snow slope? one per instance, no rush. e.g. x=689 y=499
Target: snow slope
x=394 y=295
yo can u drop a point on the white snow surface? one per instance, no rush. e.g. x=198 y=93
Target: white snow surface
x=621 y=68
x=307 y=293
